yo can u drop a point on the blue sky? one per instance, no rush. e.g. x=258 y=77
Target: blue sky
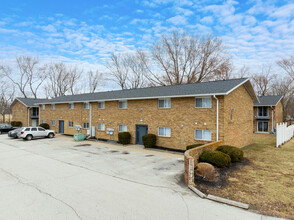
x=85 y=32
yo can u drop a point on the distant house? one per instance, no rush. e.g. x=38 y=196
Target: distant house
x=267 y=113
x=25 y=110
x=179 y=115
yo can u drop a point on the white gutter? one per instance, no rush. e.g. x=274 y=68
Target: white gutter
x=29 y=117
x=90 y=119
x=217 y=116
x=272 y=118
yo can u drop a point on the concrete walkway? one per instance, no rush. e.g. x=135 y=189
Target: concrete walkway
x=60 y=179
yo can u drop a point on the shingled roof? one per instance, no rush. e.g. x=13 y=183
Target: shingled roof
x=220 y=87
x=29 y=102
x=268 y=100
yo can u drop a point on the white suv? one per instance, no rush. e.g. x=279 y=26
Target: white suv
x=28 y=133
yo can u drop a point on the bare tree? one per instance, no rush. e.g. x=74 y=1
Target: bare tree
x=6 y=99
x=94 y=78
x=244 y=72
x=61 y=79
x=262 y=82
x=287 y=65
x=225 y=71
x=31 y=75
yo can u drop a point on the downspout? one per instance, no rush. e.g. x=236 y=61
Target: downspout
x=29 y=117
x=39 y=115
x=217 y=116
x=272 y=118
x=90 y=118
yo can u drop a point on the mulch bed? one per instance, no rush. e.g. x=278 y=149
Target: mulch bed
x=222 y=181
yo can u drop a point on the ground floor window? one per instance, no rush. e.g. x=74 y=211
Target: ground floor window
x=43 y=121
x=122 y=128
x=70 y=124
x=86 y=125
x=164 y=132
x=203 y=135
x=101 y=127
x=52 y=122
x=262 y=126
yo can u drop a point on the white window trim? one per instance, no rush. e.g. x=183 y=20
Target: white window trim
x=163 y=135
x=103 y=105
x=164 y=100
x=73 y=106
x=268 y=130
x=126 y=101
x=52 y=106
x=267 y=111
x=86 y=103
x=101 y=129
x=43 y=107
x=122 y=125
x=84 y=124
x=42 y=121
x=72 y=124
x=203 y=97
x=202 y=134
x=52 y=123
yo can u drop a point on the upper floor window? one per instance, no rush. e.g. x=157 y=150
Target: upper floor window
x=164 y=132
x=123 y=104
x=43 y=107
x=86 y=105
x=164 y=103
x=262 y=111
x=52 y=106
x=203 y=135
x=203 y=102
x=70 y=106
x=101 y=105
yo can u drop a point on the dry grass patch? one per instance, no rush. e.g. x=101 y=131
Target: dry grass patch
x=266 y=182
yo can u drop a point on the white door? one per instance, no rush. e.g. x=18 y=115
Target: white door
x=34 y=122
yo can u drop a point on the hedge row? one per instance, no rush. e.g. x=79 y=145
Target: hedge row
x=16 y=123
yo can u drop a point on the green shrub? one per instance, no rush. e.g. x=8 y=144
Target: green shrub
x=215 y=158
x=235 y=153
x=44 y=125
x=149 y=140
x=124 y=137
x=193 y=146
x=16 y=123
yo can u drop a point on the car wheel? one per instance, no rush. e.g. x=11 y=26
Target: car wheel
x=50 y=135
x=29 y=137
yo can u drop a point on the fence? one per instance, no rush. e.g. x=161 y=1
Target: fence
x=284 y=133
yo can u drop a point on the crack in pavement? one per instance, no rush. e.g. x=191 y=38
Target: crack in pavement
x=40 y=191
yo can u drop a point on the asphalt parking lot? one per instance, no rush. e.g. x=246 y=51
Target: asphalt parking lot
x=62 y=179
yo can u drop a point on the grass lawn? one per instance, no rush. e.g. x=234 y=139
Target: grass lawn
x=267 y=182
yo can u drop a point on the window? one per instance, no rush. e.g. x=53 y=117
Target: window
x=101 y=127
x=43 y=121
x=164 y=103
x=53 y=122
x=203 y=102
x=122 y=104
x=70 y=106
x=34 y=129
x=203 y=135
x=262 y=126
x=52 y=106
x=86 y=125
x=41 y=129
x=262 y=111
x=86 y=105
x=43 y=107
x=70 y=124
x=164 y=132
x=122 y=128
x=27 y=129
x=101 y=105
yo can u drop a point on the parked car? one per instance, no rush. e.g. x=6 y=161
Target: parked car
x=28 y=133
x=14 y=133
x=4 y=128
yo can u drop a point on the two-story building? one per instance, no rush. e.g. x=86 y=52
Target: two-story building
x=179 y=114
x=267 y=113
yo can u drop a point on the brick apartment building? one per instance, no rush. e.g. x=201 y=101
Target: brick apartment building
x=267 y=113
x=179 y=114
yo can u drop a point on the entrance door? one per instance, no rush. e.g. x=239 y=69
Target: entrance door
x=61 y=127
x=262 y=126
x=34 y=122
x=141 y=130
